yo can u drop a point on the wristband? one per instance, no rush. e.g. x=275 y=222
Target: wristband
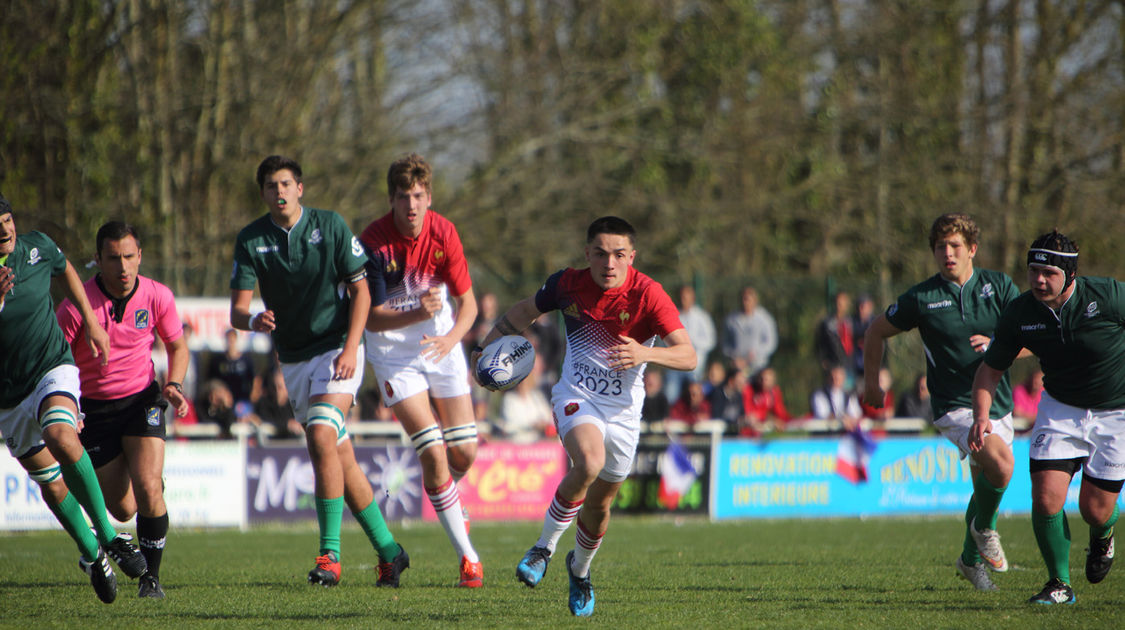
x=179 y=387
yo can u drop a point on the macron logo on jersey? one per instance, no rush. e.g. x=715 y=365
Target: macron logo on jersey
x=267 y=249
x=942 y=304
x=1033 y=327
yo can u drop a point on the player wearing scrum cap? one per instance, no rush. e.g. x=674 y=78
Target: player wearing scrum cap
x=955 y=312
x=309 y=269
x=1076 y=326
x=613 y=315
x=418 y=272
x=39 y=397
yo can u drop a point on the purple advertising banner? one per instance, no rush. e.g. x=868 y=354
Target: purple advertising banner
x=279 y=482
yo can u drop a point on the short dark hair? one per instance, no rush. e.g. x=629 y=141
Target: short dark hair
x=275 y=163
x=5 y=207
x=611 y=225
x=115 y=231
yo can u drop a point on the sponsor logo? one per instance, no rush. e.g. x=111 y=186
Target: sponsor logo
x=140 y=319
x=518 y=350
x=390 y=390
x=152 y=416
x=438 y=255
x=987 y=291
x=33 y=256
x=315 y=238
x=1040 y=257
x=1040 y=440
x=1033 y=327
x=942 y=304
x=892 y=309
x=1091 y=310
x=570 y=409
x=267 y=249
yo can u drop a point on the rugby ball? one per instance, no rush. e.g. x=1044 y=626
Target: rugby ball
x=505 y=362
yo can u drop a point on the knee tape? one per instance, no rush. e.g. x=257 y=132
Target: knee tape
x=44 y=476
x=426 y=438
x=328 y=415
x=57 y=415
x=464 y=434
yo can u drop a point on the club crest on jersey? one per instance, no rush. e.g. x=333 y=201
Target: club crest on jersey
x=438 y=255
x=140 y=319
x=315 y=238
x=623 y=316
x=1091 y=310
x=987 y=291
x=33 y=256
x=570 y=409
x=152 y=416
x=390 y=390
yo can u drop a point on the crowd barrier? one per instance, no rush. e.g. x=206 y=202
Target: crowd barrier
x=235 y=483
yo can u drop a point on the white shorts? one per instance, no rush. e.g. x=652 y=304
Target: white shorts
x=621 y=433
x=400 y=377
x=955 y=427
x=306 y=379
x=20 y=425
x=1065 y=432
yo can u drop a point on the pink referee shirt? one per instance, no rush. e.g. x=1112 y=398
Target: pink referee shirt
x=150 y=311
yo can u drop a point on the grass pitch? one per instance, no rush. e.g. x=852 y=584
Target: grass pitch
x=649 y=573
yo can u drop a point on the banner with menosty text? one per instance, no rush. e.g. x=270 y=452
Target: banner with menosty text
x=798 y=478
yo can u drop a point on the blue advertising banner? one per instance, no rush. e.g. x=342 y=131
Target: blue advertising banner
x=801 y=478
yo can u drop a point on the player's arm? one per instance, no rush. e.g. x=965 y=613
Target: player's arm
x=874 y=344
x=513 y=322
x=437 y=347
x=984 y=388
x=241 y=317
x=360 y=306
x=96 y=336
x=178 y=358
x=678 y=353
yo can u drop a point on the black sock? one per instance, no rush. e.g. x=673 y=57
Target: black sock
x=151 y=533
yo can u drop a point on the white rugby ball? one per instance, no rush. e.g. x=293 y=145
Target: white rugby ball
x=505 y=362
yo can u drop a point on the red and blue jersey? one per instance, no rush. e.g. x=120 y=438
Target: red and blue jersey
x=402 y=269
x=594 y=319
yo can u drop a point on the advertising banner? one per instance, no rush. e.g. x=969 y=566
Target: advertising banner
x=204 y=487
x=510 y=482
x=280 y=483
x=651 y=486
x=801 y=478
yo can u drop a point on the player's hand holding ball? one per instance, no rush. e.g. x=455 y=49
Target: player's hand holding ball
x=502 y=364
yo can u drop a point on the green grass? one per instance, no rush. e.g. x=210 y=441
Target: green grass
x=650 y=573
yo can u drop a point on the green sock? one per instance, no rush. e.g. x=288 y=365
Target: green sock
x=988 y=501
x=82 y=482
x=371 y=520
x=329 y=513
x=69 y=514
x=970 y=555
x=1105 y=530
x=1053 y=535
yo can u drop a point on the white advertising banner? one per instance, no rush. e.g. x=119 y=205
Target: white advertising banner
x=205 y=486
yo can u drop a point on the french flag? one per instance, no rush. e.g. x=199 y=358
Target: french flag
x=676 y=475
x=853 y=453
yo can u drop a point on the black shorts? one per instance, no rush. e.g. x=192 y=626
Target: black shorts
x=107 y=421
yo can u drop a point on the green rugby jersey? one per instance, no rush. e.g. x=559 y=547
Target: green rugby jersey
x=1081 y=349
x=301 y=275
x=31 y=342
x=946 y=315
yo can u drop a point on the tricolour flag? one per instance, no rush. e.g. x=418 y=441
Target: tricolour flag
x=853 y=453
x=676 y=475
